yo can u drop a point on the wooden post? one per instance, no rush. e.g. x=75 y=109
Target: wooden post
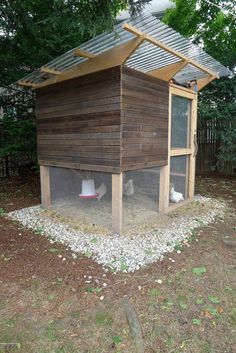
x=164 y=189
x=45 y=186
x=192 y=156
x=117 y=186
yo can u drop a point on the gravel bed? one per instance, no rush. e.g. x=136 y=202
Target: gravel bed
x=125 y=253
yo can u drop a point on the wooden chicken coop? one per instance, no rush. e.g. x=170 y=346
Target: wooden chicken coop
x=116 y=124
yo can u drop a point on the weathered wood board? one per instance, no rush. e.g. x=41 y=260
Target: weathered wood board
x=144 y=120
x=114 y=120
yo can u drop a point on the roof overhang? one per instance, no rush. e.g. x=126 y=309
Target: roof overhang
x=145 y=44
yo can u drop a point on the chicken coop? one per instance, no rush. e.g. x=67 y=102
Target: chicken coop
x=116 y=124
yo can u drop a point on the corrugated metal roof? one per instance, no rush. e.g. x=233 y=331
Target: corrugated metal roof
x=146 y=58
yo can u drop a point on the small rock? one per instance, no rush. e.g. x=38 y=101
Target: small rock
x=159 y=281
x=102 y=297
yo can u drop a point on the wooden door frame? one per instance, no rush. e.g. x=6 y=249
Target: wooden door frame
x=165 y=171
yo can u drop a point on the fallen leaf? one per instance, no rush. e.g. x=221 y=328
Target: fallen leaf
x=208 y=315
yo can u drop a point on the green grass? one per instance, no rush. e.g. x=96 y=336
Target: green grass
x=103 y=318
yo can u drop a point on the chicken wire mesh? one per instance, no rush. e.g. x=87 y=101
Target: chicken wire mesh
x=179 y=169
x=140 y=197
x=180 y=122
x=84 y=197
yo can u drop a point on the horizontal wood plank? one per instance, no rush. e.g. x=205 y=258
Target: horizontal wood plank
x=81 y=166
x=78 y=122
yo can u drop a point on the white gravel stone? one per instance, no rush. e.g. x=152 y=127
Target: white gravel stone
x=159 y=281
x=127 y=253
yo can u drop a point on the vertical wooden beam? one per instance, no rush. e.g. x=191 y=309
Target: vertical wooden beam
x=164 y=186
x=187 y=177
x=45 y=186
x=192 y=157
x=117 y=186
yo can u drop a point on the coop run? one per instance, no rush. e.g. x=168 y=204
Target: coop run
x=116 y=124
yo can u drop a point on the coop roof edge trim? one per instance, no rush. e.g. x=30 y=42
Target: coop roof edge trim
x=145 y=44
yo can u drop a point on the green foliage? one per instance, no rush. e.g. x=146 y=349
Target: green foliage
x=20 y=136
x=213 y=299
x=196 y=322
x=18 y=130
x=117 y=339
x=209 y=25
x=53 y=250
x=214 y=28
x=217 y=103
x=33 y=33
x=2 y=212
x=199 y=301
x=199 y=271
x=36 y=31
x=93 y=290
x=103 y=318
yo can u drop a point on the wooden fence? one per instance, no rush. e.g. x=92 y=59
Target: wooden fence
x=13 y=164
x=208 y=138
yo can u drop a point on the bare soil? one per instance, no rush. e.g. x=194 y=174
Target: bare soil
x=49 y=303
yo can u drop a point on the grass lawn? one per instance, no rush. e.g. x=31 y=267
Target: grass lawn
x=53 y=303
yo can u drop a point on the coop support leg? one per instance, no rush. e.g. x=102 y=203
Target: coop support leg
x=164 y=189
x=117 y=185
x=45 y=186
x=193 y=148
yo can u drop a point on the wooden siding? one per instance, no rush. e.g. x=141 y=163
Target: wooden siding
x=114 y=120
x=78 y=122
x=144 y=119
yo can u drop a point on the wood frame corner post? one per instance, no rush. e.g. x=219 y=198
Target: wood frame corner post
x=45 y=186
x=117 y=192
x=193 y=150
x=164 y=186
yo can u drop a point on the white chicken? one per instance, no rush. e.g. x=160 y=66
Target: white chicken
x=129 y=188
x=175 y=196
x=101 y=191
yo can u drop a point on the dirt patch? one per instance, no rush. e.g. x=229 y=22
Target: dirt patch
x=51 y=302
